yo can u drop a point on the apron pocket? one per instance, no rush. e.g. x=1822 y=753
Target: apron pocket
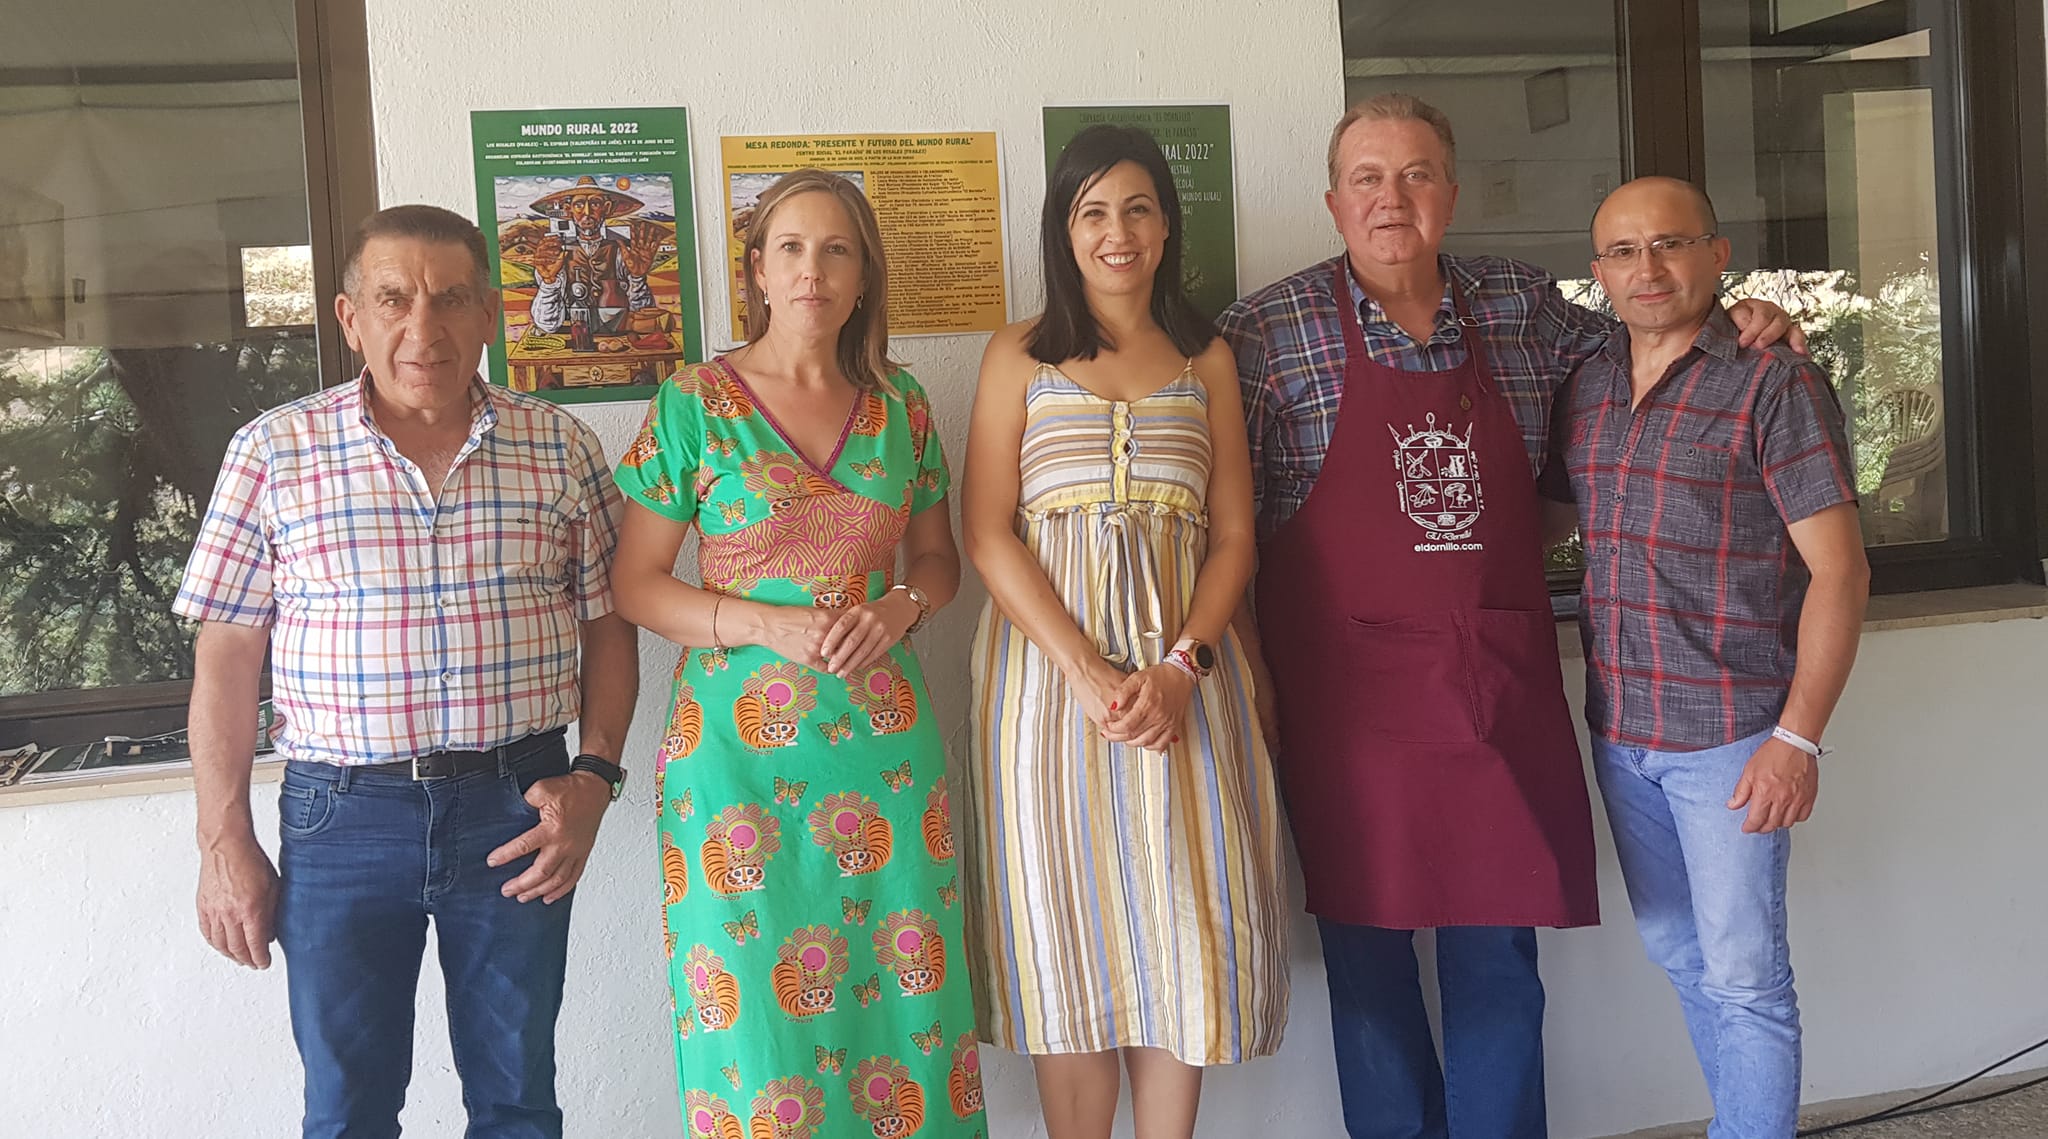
x=1515 y=668
x=1414 y=679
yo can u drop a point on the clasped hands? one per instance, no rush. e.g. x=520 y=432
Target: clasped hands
x=843 y=642
x=1143 y=709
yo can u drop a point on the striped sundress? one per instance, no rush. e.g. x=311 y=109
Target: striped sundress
x=1122 y=897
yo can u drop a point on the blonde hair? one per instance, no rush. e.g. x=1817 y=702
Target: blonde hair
x=1394 y=105
x=864 y=339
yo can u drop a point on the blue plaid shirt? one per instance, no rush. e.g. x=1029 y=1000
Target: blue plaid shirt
x=1290 y=360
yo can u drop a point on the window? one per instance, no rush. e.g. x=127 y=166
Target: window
x=1865 y=158
x=277 y=286
x=169 y=225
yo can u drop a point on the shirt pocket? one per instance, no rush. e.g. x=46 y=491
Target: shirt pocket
x=1698 y=468
x=527 y=543
x=338 y=544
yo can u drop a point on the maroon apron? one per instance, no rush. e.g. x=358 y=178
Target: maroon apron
x=1431 y=769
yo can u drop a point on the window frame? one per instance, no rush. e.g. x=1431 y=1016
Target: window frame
x=333 y=72
x=1992 y=56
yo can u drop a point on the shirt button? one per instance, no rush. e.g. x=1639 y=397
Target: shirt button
x=447 y=678
x=441 y=599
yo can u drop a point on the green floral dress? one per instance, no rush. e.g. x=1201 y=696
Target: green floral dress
x=812 y=906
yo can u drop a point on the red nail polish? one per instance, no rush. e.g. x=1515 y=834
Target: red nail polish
x=1112 y=705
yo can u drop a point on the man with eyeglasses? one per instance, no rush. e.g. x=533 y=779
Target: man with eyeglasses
x=1724 y=593
x=1398 y=404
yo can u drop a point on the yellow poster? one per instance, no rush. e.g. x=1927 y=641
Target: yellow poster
x=938 y=198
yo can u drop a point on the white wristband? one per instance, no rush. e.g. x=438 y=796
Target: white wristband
x=1781 y=732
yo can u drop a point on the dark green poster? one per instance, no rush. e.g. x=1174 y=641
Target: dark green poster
x=1196 y=142
x=591 y=230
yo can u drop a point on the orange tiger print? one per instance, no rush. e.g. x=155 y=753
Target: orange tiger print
x=645 y=445
x=675 y=873
x=788 y=1108
x=885 y=1095
x=850 y=825
x=907 y=943
x=919 y=410
x=783 y=481
x=708 y=1117
x=685 y=728
x=938 y=822
x=810 y=964
x=738 y=842
x=716 y=991
x=772 y=704
x=963 y=1085
x=884 y=693
x=750 y=719
x=722 y=397
x=872 y=415
x=837 y=592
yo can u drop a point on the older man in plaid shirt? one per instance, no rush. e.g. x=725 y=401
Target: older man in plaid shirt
x=422 y=556
x=1724 y=593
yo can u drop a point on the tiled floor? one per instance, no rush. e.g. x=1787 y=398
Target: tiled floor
x=2021 y=1115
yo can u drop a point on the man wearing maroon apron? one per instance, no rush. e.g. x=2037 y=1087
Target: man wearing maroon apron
x=1398 y=403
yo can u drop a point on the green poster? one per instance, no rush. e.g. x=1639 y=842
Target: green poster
x=591 y=230
x=1196 y=142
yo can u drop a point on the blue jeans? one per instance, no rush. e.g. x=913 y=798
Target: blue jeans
x=366 y=858
x=1490 y=1085
x=1710 y=905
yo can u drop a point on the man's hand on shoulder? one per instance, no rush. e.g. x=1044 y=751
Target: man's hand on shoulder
x=571 y=808
x=1762 y=324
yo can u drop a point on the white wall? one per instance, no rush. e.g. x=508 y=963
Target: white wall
x=1917 y=922
x=1917 y=930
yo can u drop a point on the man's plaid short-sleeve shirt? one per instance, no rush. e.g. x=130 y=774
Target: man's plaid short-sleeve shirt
x=404 y=621
x=1690 y=608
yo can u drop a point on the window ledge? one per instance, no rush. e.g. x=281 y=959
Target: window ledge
x=119 y=785
x=1894 y=611
x=1886 y=614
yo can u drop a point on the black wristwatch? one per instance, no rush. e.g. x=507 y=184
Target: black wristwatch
x=611 y=773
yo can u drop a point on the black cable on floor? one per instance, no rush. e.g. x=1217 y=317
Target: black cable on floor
x=1901 y=1111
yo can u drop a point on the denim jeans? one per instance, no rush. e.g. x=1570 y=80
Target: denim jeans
x=1709 y=902
x=1490 y=1085
x=367 y=858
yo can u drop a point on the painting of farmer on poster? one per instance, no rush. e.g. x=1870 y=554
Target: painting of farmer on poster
x=588 y=218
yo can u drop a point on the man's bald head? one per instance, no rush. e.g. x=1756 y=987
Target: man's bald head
x=1657 y=256
x=1629 y=194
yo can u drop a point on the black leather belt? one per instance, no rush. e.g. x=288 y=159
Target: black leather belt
x=447 y=764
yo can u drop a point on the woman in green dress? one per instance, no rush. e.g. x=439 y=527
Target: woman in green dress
x=811 y=906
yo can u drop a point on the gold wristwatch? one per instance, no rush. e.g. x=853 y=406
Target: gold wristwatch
x=923 y=603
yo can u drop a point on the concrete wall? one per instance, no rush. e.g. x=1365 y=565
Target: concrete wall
x=1917 y=923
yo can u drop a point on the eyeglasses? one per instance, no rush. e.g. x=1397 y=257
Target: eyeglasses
x=1627 y=252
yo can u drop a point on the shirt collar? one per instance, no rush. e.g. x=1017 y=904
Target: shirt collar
x=1718 y=338
x=482 y=400
x=1370 y=312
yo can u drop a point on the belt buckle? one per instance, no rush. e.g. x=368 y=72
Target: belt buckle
x=417 y=777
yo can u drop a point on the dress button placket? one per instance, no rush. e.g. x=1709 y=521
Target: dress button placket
x=1122 y=447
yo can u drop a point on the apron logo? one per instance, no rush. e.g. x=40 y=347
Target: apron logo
x=1438 y=476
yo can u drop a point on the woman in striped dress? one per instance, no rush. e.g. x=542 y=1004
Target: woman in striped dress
x=1124 y=831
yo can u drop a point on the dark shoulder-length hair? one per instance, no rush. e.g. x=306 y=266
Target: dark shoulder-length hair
x=864 y=340
x=1067 y=330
